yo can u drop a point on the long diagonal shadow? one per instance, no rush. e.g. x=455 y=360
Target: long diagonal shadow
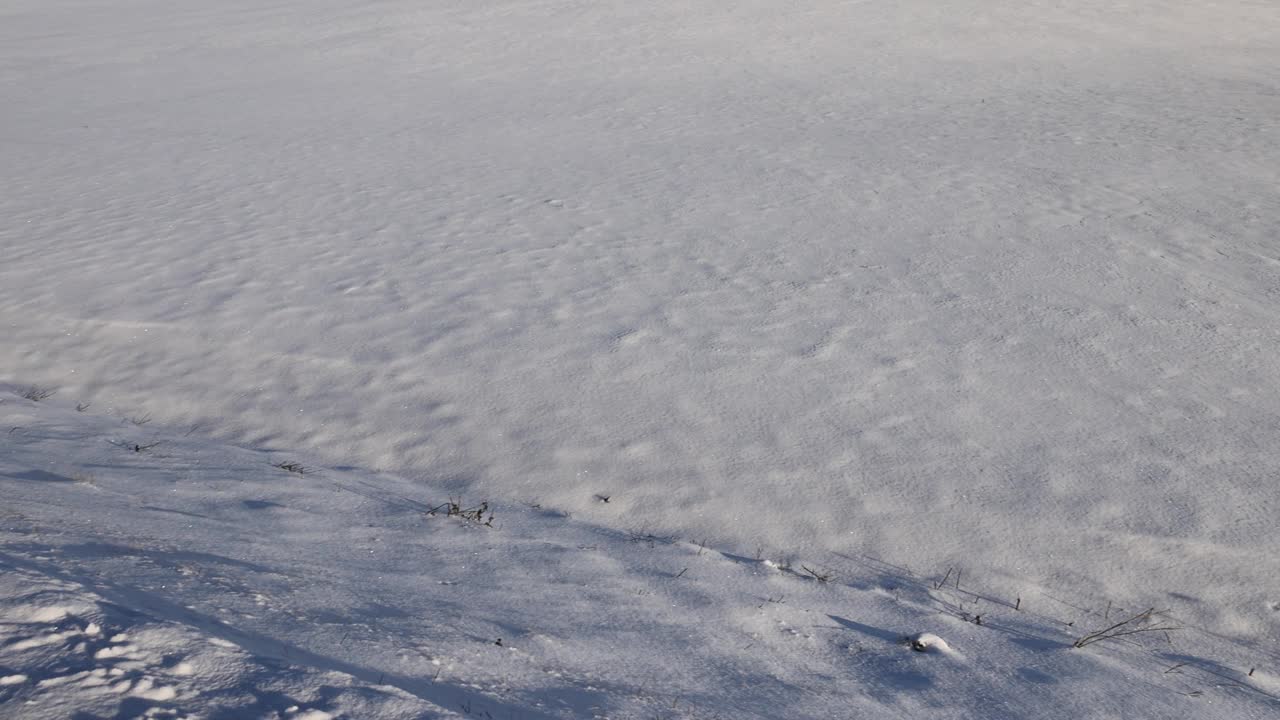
x=875 y=632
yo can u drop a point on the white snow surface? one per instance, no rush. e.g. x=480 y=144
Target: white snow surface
x=984 y=285
x=195 y=579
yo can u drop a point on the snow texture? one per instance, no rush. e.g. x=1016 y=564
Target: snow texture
x=985 y=289
x=201 y=580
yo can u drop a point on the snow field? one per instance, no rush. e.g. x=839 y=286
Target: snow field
x=987 y=286
x=197 y=579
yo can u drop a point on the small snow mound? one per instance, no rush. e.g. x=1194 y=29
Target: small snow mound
x=50 y=614
x=294 y=714
x=148 y=690
x=114 y=651
x=930 y=643
x=42 y=640
x=1269 y=682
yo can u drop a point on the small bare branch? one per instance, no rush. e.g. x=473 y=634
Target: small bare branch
x=136 y=447
x=1129 y=626
x=293 y=467
x=938 y=585
x=454 y=508
x=821 y=576
x=35 y=393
